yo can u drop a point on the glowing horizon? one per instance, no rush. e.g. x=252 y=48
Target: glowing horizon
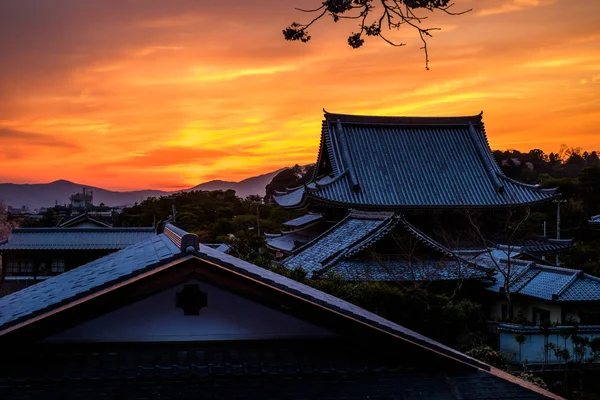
x=167 y=95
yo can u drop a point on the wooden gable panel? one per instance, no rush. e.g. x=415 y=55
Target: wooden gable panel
x=221 y=315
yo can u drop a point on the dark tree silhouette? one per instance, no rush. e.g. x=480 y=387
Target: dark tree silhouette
x=374 y=17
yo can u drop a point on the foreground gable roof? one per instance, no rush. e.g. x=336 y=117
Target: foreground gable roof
x=175 y=247
x=409 y=162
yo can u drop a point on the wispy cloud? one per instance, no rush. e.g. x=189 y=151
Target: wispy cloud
x=509 y=6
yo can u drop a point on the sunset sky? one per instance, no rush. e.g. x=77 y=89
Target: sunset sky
x=135 y=94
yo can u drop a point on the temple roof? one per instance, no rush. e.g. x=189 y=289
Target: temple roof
x=357 y=230
x=336 y=251
x=302 y=221
x=401 y=270
x=302 y=230
x=75 y=238
x=409 y=162
x=286 y=242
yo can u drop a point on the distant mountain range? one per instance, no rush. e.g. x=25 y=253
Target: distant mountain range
x=47 y=194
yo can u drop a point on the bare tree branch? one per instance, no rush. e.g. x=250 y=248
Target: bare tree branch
x=394 y=13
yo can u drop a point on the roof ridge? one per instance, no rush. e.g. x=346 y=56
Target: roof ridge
x=316 y=239
x=359 y=214
x=328 y=262
x=345 y=153
x=593 y=277
x=68 y=229
x=321 y=147
x=408 y=120
x=567 y=284
x=186 y=242
x=380 y=231
x=558 y=269
x=519 y=276
x=428 y=240
x=528 y=185
x=484 y=157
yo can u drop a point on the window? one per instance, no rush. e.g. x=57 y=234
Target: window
x=504 y=312
x=26 y=266
x=540 y=316
x=12 y=266
x=58 y=265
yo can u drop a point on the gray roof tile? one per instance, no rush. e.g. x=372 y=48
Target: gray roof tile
x=408 y=162
x=88 y=277
x=303 y=220
x=544 y=281
x=75 y=238
x=354 y=230
x=398 y=270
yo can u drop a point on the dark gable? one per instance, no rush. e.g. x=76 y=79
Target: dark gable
x=371 y=358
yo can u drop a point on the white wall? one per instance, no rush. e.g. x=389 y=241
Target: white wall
x=533 y=350
x=227 y=317
x=527 y=306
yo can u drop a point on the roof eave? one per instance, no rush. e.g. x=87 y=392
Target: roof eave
x=312 y=196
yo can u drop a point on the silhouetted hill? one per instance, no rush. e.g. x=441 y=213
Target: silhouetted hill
x=46 y=194
x=243 y=189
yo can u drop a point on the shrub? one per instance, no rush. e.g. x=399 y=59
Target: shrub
x=495 y=358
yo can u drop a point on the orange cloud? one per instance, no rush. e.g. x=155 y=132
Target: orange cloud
x=136 y=95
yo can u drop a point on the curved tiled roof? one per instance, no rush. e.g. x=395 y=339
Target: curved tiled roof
x=353 y=232
x=337 y=250
x=544 y=281
x=303 y=220
x=399 y=270
x=411 y=162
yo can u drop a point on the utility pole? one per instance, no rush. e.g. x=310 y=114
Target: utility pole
x=258 y=219
x=545 y=231
x=558 y=201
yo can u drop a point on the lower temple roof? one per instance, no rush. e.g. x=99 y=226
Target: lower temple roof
x=337 y=251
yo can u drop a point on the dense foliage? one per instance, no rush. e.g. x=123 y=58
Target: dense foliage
x=577 y=176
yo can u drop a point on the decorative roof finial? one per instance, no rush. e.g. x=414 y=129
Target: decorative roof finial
x=325 y=111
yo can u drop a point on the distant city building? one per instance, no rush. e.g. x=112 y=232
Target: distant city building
x=34 y=254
